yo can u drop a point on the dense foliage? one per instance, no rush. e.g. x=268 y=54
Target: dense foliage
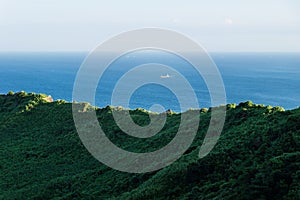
x=41 y=155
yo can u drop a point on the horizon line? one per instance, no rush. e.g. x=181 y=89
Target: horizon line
x=87 y=51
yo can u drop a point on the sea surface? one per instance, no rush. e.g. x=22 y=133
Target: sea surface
x=264 y=78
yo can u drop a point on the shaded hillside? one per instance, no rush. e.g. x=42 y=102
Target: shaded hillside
x=42 y=157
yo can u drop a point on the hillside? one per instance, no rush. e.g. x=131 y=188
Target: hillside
x=42 y=157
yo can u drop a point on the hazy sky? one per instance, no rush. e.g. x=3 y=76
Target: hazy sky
x=56 y=25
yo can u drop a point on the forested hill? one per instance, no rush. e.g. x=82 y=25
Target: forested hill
x=42 y=157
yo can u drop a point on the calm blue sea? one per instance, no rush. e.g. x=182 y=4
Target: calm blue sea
x=265 y=78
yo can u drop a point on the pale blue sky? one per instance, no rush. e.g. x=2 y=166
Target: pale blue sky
x=56 y=25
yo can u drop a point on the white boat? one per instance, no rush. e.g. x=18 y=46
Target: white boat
x=165 y=76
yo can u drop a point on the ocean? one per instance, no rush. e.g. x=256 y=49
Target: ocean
x=264 y=78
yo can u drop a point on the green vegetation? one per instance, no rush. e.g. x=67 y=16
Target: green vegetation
x=42 y=157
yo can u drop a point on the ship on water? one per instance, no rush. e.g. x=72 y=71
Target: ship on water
x=165 y=76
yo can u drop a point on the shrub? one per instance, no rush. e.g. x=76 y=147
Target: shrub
x=231 y=106
x=278 y=108
x=203 y=110
x=10 y=93
x=246 y=104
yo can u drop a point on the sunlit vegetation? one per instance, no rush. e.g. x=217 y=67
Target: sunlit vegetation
x=42 y=157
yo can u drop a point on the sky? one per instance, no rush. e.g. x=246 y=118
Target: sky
x=219 y=26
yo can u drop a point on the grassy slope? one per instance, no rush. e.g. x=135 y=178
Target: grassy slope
x=41 y=155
